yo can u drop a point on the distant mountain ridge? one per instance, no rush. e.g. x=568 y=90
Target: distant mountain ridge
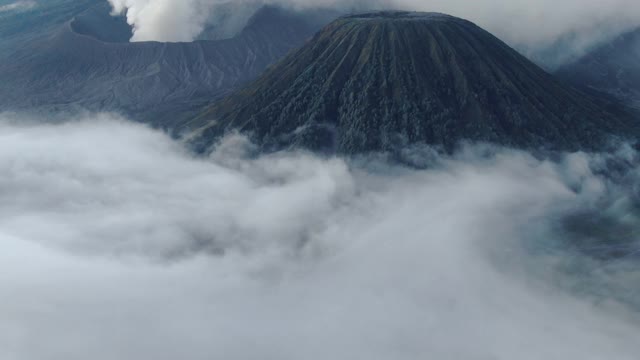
x=381 y=81
x=613 y=68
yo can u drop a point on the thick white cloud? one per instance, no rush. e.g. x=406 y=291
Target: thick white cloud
x=531 y=25
x=117 y=244
x=164 y=20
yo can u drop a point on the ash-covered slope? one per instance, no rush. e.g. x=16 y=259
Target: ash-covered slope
x=88 y=64
x=380 y=81
x=613 y=68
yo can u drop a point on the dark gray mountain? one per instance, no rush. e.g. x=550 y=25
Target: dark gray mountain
x=613 y=68
x=380 y=81
x=88 y=63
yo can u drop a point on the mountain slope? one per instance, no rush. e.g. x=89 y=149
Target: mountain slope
x=83 y=66
x=613 y=68
x=380 y=81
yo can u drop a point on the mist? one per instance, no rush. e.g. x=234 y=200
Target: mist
x=119 y=244
x=550 y=31
x=18 y=6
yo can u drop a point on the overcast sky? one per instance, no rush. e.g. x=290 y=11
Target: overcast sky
x=530 y=25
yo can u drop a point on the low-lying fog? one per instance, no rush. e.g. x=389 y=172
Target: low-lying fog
x=118 y=244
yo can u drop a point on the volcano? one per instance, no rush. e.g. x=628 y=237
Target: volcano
x=380 y=81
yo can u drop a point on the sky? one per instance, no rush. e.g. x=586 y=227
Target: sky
x=533 y=26
x=119 y=244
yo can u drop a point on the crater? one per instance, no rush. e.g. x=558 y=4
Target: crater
x=403 y=15
x=98 y=23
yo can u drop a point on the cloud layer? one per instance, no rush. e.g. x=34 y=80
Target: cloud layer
x=557 y=30
x=18 y=5
x=118 y=244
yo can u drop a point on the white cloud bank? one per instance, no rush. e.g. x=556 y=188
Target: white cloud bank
x=117 y=244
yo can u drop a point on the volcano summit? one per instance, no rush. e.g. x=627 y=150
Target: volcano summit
x=380 y=81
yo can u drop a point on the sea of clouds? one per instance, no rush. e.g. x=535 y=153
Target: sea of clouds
x=117 y=243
